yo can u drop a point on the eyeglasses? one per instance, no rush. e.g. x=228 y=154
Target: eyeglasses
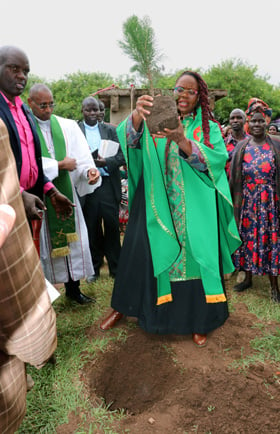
x=179 y=90
x=45 y=105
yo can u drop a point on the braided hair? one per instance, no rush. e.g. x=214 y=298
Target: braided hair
x=205 y=107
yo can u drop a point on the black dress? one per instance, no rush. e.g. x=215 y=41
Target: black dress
x=135 y=288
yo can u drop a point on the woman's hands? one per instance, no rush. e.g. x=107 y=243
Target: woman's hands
x=177 y=135
x=142 y=110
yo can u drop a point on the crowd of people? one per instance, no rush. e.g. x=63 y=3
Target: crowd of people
x=197 y=203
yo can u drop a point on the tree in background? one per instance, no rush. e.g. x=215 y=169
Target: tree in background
x=242 y=83
x=140 y=45
x=70 y=91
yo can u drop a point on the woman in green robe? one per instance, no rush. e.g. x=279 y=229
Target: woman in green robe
x=181 y=230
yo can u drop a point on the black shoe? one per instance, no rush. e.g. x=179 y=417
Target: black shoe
x=81 y=298
x=275 y=295
x=242 y=286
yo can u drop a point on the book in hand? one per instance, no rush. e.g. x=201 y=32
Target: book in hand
x=108 y=148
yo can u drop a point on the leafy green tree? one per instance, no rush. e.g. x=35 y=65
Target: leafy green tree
x=242 y=83
x=70 y=91
x=140 y=45
x=166 y=81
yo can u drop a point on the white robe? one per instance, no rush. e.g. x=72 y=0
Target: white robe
x=79 y=260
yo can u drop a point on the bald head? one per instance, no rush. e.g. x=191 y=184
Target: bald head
x=40 y=101
x=14 y=70
x=39 y=88
x=7 y=51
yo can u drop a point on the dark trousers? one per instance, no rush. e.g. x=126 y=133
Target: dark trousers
x=72 y=287
x=101 y=213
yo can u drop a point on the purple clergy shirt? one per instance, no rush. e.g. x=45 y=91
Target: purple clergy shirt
x=29 y=168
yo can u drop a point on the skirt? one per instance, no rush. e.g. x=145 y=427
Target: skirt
x=135 y=288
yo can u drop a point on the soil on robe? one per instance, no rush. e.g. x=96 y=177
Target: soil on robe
x=166 y=385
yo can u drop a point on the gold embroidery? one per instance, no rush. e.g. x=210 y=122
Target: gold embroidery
x=60 y=233
x=160 y=222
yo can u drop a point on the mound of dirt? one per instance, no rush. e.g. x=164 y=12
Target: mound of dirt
x=167 y=385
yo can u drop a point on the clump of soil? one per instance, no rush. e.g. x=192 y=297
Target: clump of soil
x=163 y=114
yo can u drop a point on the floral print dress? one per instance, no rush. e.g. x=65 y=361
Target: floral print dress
x=259 y=219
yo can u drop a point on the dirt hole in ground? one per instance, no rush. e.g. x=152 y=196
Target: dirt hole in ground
x=134 y=376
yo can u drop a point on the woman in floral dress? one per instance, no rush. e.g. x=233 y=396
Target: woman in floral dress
x=254 y=183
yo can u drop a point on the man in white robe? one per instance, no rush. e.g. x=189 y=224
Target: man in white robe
x=84 y=177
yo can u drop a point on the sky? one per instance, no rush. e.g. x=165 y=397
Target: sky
x=67 y=36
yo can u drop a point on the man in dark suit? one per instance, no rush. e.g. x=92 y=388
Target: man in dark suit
x=25 y=144
x=101 y=208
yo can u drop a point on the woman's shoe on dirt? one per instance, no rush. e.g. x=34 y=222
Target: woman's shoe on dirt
x=199 y=340
x=111 y=320
x=240 y=287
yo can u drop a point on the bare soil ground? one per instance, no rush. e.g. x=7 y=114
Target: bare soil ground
x=167 y=385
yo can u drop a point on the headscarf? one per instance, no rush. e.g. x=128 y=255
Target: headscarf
x=256 y=105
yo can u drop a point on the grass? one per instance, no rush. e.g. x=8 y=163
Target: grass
x=58 y=390
x=267 y=347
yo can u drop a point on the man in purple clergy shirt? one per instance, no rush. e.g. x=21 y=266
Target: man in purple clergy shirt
x=25 y=144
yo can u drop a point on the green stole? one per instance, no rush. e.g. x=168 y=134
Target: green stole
x=196 y=243
x=61 y=232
